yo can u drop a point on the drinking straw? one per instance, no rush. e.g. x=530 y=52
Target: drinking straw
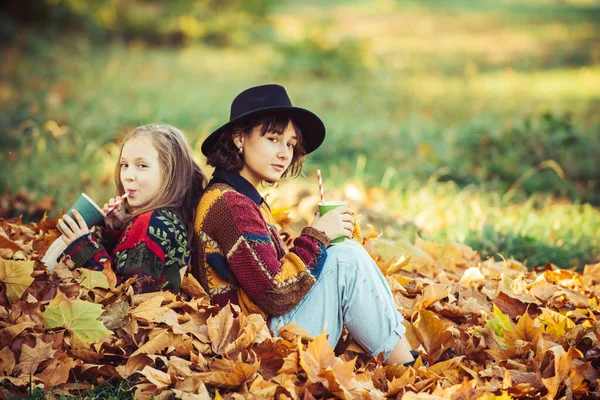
x=119 y=201
x=320 y=186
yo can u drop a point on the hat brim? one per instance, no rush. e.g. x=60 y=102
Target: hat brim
x=311 y=126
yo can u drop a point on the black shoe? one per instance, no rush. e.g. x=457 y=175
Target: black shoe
x=415 y=355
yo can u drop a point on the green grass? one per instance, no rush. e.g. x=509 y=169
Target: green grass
x=120 y=391
x=500 y=98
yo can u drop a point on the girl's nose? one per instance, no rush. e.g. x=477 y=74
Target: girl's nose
x=128 y=174
x=285 y=152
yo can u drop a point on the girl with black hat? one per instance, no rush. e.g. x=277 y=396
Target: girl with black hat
x=238 y=256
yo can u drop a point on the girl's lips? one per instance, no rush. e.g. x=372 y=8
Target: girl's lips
x=278 y=167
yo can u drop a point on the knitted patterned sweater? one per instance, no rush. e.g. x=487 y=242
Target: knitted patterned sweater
x=238 y=256
x=153 y=246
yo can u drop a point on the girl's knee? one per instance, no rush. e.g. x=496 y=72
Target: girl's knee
x=348 y=251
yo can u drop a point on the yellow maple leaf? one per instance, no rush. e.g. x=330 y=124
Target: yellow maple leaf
x=556 y=323
x=78 y=316
x=16 y=276
x=90 y=279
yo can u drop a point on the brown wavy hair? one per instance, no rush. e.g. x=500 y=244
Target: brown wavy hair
x=183 y=180
x=226 y=156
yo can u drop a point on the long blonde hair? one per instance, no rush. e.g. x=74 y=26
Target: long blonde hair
x=183 y=181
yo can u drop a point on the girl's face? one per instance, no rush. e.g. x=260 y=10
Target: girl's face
x=266 y=157
x=141 y=172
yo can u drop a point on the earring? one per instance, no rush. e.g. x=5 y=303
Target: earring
x=240 y=150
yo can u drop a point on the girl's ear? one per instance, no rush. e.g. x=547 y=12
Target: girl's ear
x=238 y=140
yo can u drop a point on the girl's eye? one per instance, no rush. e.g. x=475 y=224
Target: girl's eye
x=272 y=139
x=291 y=145
x=142 y=165
x=123 y=165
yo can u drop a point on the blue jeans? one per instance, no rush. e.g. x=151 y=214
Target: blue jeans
x=351 y=291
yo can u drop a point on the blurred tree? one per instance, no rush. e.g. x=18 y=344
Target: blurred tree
x=175 y=22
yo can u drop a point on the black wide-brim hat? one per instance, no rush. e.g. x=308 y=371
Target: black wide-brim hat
x=270 y=100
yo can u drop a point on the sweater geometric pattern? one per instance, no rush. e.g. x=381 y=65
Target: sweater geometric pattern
x=154 y=246
x=239 y=257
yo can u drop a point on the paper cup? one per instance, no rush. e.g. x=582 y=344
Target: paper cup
x=91 y=213
x=330 y=205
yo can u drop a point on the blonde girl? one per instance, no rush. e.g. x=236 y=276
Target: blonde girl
x=147 y=235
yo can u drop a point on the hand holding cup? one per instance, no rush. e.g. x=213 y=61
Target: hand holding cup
x=72 y=229
x=336 y=220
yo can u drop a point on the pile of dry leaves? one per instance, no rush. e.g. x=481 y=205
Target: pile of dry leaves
x=489 y=330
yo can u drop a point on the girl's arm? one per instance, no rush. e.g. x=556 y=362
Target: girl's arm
x=275 y=281
x=83 y=250
x=154 y=248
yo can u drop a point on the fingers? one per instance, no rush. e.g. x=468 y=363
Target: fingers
x=348 y=229
x=108 y=205
x=80 y=221
x=344 y=210
x=112 y=202
x=71 y=228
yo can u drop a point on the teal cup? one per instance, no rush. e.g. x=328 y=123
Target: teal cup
x=91 y=213
x=328 y=206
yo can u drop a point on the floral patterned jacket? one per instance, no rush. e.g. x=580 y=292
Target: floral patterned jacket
x=154 y=246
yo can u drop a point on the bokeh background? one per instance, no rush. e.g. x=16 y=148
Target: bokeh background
x=463 y=121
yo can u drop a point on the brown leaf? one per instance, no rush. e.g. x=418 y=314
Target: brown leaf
x=58 y=371
x=8 y=334
x=157 y=377
x=223 y=330
x=191 y=389
x=11 y=246
x=292 y=332
x=160 y=340
x=191 y=286
x=149 y=309
x=179 y=369
x=115 y=315
x=227 y=374
x=526 y=331
x=7 y=361
x=591 y=275
x=31 y=358
x=512 y=305
x=134 y=364
x=108 y=271
x=432 y=333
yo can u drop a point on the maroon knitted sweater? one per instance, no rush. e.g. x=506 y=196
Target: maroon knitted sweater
x=238 y=256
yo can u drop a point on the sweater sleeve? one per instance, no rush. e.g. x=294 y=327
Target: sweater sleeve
x=86 y=252
x=154 y=248
x=275 y=284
